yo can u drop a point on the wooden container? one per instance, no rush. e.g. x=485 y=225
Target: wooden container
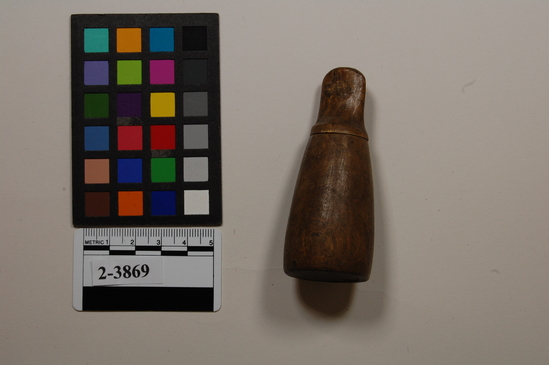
x=330 y=233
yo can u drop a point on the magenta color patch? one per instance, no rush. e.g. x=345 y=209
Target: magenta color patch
x=162 y=71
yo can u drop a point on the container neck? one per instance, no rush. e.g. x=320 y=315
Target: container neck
x=342 y=103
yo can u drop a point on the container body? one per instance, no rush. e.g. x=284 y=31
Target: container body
x=330 y=233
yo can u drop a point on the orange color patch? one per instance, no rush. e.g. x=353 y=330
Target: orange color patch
x=128 y=40
x=130 y=203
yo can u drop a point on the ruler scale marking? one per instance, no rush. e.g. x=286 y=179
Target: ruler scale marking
x=189 y=259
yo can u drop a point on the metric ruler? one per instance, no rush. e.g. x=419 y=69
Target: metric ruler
x=147 y=269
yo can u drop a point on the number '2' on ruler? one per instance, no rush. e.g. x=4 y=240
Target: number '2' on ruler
x=147 y=269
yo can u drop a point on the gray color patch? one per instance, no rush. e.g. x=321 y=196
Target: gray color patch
x=195 y=72
x=195 y=136
x=195 y=169
x=195 y=104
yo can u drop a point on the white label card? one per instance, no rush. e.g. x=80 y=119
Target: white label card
x=123 y=270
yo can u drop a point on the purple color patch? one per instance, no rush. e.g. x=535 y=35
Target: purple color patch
x=96 y=72
x=162 y=71
x=129 y=105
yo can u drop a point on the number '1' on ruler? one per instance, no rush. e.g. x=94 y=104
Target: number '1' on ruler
x=147 y=269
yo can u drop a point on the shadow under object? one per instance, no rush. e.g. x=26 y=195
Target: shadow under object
x=330 y=233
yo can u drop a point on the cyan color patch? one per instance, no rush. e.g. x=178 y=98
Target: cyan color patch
x=161 y=39
x=96 y=40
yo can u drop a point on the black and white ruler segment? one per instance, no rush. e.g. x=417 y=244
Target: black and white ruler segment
x=147 y=269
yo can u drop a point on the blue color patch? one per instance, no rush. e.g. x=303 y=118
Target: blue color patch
x=161 y=40
x=130 y=170
x=96 y=138
x=163 y=203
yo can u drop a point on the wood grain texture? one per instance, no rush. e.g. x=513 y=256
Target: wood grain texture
x=330 y=233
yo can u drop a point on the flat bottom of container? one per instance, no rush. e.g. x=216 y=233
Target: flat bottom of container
x=329 y=276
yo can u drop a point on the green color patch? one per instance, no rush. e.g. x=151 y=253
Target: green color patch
x=129 y=72
x=96 y=105
x=162 y=170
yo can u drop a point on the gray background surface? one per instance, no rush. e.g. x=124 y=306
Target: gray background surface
x=457 y=112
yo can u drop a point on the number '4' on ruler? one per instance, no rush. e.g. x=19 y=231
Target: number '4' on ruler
x=147 y=269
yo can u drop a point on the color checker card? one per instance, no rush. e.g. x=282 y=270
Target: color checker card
x=146 y=138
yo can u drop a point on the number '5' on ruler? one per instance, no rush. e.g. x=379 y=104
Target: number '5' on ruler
x=185 y=262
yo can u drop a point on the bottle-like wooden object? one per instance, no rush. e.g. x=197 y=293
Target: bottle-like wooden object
x=330 y=233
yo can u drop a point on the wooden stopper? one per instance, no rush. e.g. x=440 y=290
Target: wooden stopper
x=330 y=234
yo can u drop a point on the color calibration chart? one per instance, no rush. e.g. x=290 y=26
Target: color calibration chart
x=147 y=269
x=146 y=152
x=146 y=120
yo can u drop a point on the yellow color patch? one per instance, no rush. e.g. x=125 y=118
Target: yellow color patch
x=162 y=104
